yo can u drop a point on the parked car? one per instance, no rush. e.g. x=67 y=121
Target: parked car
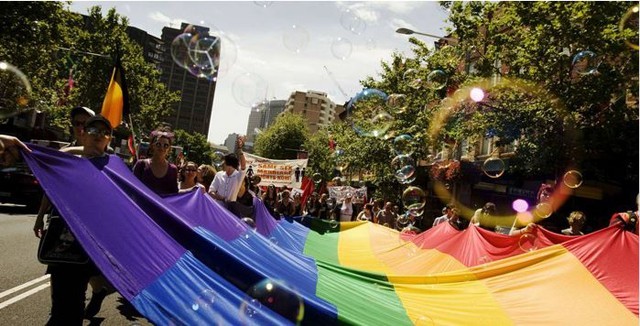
x=19 y=186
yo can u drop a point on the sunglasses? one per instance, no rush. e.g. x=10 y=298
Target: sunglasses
x=77 y=123
x=190 y=170
x=93 y=131
x=163 y=145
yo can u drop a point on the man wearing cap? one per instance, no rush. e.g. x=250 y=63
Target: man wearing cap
x=69 y=281
x=78 y=117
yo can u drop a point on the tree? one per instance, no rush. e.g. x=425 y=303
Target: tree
x=199 y=150
x=521 y=55
x=150 y=100
x=282 y=139
x=35 y=38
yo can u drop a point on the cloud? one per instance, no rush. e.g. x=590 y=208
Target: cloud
x=160 y=17
x=397 y=7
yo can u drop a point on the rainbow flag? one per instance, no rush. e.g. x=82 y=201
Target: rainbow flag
x=186 y=260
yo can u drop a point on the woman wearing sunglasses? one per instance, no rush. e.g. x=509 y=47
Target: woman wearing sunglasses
x=156 y=172
x=189 y=178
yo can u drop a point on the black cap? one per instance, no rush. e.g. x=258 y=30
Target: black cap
x=98 y=118
x=81 y=109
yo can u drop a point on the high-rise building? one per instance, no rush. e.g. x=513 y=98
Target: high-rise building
x=193 y=112
x=230 y=142
x=263 y=115
x=315 y=107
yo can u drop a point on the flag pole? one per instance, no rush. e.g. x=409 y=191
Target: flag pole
x=133 y=136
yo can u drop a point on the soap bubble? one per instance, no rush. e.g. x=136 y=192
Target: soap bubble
x=493 y=167
x=436 y=79
x=180 y=48
x=228 y=51
x=15 y=90
x=543 y=210
x=341 y=48
x=629 y=27
x=402 y=144
x=250 y=222
x=205 y=57
x=275 y=296
x=572 y=179
x=331 y=203
x=366 y=113
x=295 y=38
x=404 y=168
x=528 y=242
x=352 y=22
x=317 y=178
x=340 y=159
x=585 y=63
x=397 y=102
x=248 y=89
x=204 y=301
x=414 y=198
x=412 y=78
x=218 y=159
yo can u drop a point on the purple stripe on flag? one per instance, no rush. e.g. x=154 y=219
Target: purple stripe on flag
x=106 y=209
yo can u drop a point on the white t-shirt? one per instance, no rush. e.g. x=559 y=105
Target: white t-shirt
x=227 y=185
x=345 y=212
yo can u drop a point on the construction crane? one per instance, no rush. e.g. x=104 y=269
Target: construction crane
x=333 y=78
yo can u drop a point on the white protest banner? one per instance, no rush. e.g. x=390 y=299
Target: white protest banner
x=358 y=195
x=277 y=172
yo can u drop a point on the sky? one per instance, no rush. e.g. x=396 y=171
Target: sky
x=273 y=48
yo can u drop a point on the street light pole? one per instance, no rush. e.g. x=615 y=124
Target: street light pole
x=407 y=31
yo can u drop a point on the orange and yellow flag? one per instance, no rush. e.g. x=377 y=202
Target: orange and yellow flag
x=116 y=102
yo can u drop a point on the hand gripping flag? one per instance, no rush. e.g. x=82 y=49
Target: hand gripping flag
x=116 y=102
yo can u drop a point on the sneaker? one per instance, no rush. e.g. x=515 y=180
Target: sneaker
x=93 y=308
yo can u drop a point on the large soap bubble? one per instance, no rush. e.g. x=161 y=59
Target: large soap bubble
x=15 y=90
x=352 y=22
x=296 y=38
x=585 y=63
x=366 y=113
x=404 y=168
x=414 y=198
x=249 y=88
x=341 y=48
x=629 y=27
x=436 y=79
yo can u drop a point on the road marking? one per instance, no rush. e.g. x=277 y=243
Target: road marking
x=24 y=295
x=22 y=286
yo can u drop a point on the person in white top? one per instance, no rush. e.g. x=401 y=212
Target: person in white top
x=447 y=212
x=346 y=210
x=226 y=183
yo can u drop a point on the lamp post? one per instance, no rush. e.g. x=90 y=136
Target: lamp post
x=407 y=31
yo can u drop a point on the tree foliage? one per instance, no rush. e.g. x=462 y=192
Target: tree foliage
x=283 y=138
x=199 y=150
x=521 y=55
x=35 y=38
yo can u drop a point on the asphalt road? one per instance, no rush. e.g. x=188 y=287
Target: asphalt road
x=24 y=288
